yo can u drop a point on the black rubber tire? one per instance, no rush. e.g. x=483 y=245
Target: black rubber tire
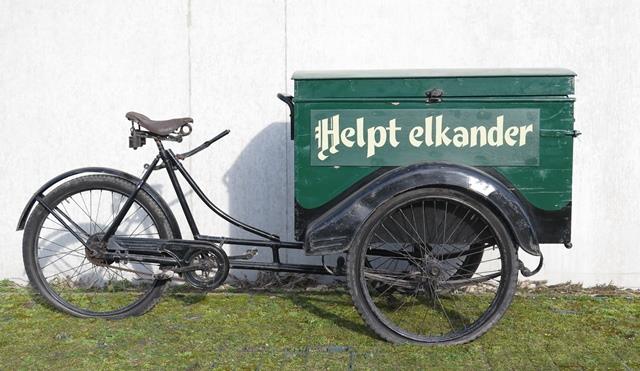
x=361 y=298
x=37 y=218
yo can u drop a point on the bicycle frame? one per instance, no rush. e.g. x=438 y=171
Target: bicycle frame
x=171 y=162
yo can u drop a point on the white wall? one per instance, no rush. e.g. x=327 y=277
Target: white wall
x=71 y=69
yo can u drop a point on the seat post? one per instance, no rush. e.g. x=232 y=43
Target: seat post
x=159 y=143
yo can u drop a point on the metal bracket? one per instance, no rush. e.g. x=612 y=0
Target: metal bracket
x=136 y=139
x=339 y=269
x=528 y=273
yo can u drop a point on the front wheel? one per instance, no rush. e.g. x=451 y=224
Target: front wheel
x=67 y=274
x=432 y=266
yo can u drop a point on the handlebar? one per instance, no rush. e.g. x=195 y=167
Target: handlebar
x=182 y=156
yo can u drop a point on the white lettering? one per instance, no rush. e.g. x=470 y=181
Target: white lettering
x=478 y=130
x=494 y=135
x=320 y=136
x=427 y=128
x=509 y=134
x=416 y=132
x=372 y=142
x=461 y=138
x=335 y=133
x=441 y=135
x=345 y=136
x=392 y=133
x=523 y=134
x=360 y=131
x=331 y=138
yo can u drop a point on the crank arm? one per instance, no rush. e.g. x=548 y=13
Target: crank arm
x=246 y=256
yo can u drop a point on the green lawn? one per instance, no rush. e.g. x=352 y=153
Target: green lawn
x=544 y=329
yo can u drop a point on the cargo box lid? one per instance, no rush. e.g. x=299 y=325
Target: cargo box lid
x=311 y=85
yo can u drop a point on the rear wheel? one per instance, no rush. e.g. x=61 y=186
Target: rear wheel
x=69 y=275
x=432 y=266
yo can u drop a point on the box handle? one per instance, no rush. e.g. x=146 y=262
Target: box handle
x=288 y=100
x=434 y=95
x=559 y=133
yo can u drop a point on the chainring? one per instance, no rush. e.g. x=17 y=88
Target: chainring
x=213 y=269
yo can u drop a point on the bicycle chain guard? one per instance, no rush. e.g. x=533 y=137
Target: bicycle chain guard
x=203 y=265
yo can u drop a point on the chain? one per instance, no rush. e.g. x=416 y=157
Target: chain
x=162 y=276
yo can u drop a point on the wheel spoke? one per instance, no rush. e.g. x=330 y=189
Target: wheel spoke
x=56 y=253
x=84 y=211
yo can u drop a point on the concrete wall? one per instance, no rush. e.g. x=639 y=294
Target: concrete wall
x=71 y=69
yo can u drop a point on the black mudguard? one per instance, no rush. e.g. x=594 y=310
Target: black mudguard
x=333 y=231
x=101 y=170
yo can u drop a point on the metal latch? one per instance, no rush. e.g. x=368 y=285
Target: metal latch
x=434 y=95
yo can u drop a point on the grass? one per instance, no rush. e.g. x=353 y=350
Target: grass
x=543 y=329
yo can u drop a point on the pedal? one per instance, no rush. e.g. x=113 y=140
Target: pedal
x=164 y=275
x=246 y=256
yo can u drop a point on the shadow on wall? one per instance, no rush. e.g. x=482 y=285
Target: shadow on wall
x=257 y=188
x=257 y=185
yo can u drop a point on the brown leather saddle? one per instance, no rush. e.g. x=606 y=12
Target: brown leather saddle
x=164 y=127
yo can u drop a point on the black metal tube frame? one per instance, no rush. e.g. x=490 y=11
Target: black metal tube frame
x=171 y=163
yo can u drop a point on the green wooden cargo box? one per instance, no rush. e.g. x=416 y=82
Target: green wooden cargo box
x=510 y=129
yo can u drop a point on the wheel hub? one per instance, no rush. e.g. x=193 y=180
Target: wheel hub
x=431 y=274
x=96 y=249
x=432 y=270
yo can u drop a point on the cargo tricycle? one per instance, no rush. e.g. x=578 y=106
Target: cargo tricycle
x=427 y=184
